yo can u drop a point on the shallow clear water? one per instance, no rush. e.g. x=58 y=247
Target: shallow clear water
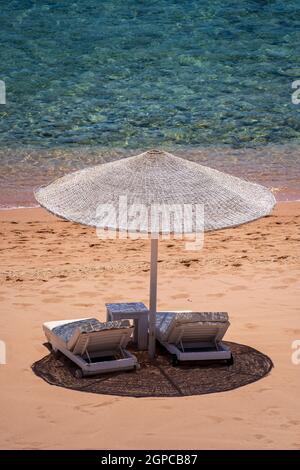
x=125 y=74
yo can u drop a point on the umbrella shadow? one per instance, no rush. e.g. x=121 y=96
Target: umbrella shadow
x=159 y=378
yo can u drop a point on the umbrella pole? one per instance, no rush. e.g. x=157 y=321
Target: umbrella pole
x=153 y=297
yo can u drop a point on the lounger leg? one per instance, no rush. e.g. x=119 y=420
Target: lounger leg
x=135 y=333
x=143 y=333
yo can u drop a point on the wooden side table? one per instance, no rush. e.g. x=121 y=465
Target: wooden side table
x=135 y=311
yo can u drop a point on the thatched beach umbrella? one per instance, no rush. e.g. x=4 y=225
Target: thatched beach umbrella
x=128 y=194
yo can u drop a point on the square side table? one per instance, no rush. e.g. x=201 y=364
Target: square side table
x=135 y=311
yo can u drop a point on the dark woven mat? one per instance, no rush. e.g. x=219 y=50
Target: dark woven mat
x=160 y=378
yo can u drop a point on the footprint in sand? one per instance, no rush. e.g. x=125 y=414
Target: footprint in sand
x=290 y=279
x=166 y=407
x=43 y=414
x=53 y=300
x=284 y=426
x=295 y=332
x=279 y=287
x=22 y=304
x=261 y=390
x=84 y=409
x=28 y=445
x=88 y=294
x=272 y=410
x=187 y=264
x=84 y=305
x=216 y=419
x=294 y=422
x=238 y=287
x=104 y=404
x=218 y=295
x=251 y=326
x=179 y=296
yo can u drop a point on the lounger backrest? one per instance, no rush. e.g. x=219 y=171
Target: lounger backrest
x=106 y=340
x=200 y=332
x=191 y=327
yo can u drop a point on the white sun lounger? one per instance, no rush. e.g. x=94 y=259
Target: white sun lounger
x=193 y=336
x=94 y=346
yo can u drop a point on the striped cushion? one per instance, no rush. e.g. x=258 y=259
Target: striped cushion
x=66 y=331
x=167 y=321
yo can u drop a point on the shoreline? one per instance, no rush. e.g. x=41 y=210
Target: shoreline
x=276 y=167
x=26 y=214
x=278 y=201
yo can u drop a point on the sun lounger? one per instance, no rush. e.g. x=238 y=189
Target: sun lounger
x=94 y=346
x=193 y=336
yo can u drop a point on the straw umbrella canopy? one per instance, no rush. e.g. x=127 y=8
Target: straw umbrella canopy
x=155 y=193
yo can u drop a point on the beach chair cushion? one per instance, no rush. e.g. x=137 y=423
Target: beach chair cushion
x=205 y=325
x=68 y=332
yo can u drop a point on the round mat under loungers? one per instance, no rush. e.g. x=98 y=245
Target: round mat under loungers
x=160 y=378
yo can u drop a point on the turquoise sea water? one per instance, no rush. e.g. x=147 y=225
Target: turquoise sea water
x=126 y=75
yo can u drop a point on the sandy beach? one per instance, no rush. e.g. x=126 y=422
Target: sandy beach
x=52 y=269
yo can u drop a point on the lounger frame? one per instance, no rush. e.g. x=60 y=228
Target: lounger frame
x=222 y=352
x=86 y=348
x=203 y=339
